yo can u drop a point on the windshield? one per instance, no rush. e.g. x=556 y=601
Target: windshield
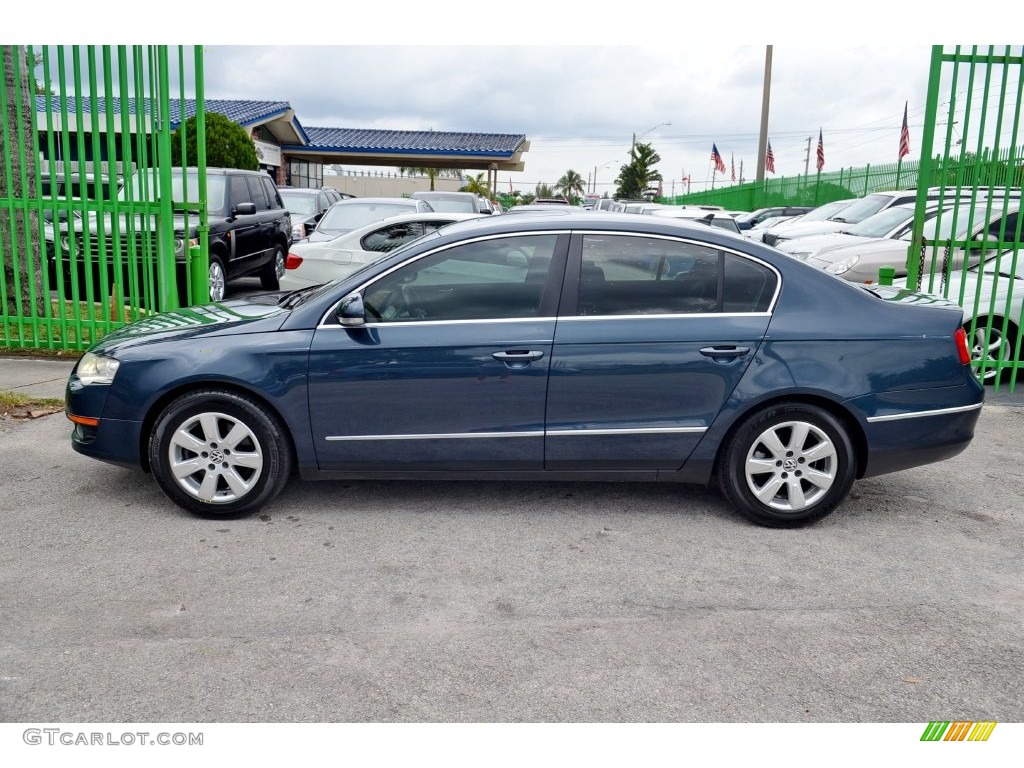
x=454 y=204
x=882 y=223
x=344 y=217
x=942 y=228
x=144 y=186
x=863 y=208
x=826 y=211
x=297 y=202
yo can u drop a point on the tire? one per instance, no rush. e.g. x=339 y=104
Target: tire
x=248 y=451
x=218 y=279
x=992 y=347
x=271 y=274
x=788 y=465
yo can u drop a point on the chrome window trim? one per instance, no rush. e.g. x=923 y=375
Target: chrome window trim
x=434 y=323
x=696 y=315
x=923 y=414
x=332 y=310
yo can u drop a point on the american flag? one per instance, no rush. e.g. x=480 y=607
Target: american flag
x=732 y=160
x=821 y=152
x=904 y=134
x=769 y=159
x=717 y=159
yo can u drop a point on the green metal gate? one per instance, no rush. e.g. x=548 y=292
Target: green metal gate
x=92 y=210
x=970 y=252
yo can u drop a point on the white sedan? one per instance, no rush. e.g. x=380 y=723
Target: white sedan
x=313 y=263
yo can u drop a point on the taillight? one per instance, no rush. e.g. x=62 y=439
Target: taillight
x=292 y=262
x=961 y=346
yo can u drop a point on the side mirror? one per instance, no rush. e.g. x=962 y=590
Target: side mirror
x=309 y=226
x=351 y=313
x=244 y=209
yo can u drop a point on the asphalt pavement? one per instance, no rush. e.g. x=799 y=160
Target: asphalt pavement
x=505 y=602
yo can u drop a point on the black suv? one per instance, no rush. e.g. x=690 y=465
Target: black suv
x=250 y=232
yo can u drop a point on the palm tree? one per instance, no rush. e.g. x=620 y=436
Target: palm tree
x=477 y=186
x=637 y=178
x=433 y=173
x=543 y=190
x=571 y=186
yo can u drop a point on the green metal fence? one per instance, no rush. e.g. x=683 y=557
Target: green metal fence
x=987 y=167
x=972 y=127
x=90 y=229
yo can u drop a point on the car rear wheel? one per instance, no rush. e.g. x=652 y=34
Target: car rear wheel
x=218 y=279
x=990 y=347
x=271 y=274
x=788 y=465
x=218 y=453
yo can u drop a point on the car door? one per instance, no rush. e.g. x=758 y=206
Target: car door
x=451 y=369
x=653 y=335
x=244 y=228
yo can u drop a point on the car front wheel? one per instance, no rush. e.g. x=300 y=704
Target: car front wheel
x=788 y=465
x=219 y=453
x=218 y=279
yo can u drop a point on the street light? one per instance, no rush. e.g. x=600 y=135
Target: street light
x=597 y=168
x=649 y=130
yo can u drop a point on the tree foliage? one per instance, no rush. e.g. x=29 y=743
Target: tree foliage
x=227 y=144
x=638 y=179
x=433 y=173
x=477 y=186
x=21 y=264
x=571 y=186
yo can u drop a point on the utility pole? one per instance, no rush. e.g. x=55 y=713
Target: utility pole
x=807 y=158
x=762 y=142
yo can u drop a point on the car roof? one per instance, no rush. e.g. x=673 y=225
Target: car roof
x=401 y=218
x=375 y=200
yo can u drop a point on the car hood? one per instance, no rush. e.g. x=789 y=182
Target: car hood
x=803 y=229
x=813 y=244
x=867 y=248
x=258 y=314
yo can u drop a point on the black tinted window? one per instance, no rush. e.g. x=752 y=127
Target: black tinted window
x=273 y=196
x=257 y=192
x=628 y=275
x=485 y=280
x=390 y=237
x=239 y=190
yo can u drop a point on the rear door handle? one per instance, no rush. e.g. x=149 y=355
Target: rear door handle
x=518 y=355
x=725 y=351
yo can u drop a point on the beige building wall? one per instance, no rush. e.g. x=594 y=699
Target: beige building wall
x=388 y=186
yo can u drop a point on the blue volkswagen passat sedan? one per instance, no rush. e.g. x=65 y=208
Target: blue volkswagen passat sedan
x=578 y=346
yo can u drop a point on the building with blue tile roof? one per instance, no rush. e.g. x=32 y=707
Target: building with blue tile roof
x=294 y=155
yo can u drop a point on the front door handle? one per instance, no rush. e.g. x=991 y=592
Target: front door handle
x=725 y=351
x=518 y=355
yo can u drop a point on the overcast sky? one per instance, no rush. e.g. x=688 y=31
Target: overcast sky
x=681 y=76
x=579 y=106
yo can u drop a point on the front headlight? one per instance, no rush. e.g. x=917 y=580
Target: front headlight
x=97 y=369
x=65 y=243
x=845 y=265
x=298 y=232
